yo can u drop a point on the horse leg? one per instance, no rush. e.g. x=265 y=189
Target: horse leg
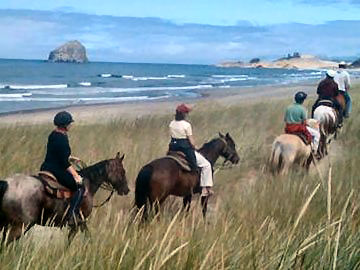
x=15 y=233
x=204 y=203
x=308 y=162
x=4 y=227
x=73 y=231
x=187 y=202
x=29 y=226
x=84 y=228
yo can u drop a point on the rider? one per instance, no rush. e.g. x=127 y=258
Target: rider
x=342 y=78
x=295 y=121
x=57 y=162
x=328 y=90
x=182 y=139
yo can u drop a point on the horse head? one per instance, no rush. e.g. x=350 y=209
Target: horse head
x=229 y=152
x=116 y=174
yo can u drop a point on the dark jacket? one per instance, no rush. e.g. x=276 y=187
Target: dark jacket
x=57 y=159
x=327 y=89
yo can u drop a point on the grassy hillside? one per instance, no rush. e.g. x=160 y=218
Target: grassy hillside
x=255 y=221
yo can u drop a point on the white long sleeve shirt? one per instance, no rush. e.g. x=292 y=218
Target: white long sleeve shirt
x=342 y=78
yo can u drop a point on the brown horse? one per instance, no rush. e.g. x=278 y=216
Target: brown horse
x=24 y=201
x=163 y=177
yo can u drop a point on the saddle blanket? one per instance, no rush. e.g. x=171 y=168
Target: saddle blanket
x=179 y=157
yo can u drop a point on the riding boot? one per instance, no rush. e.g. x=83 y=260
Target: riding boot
x=73 y=216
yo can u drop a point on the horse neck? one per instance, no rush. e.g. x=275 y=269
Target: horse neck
x=95 y=175
x=212 y=150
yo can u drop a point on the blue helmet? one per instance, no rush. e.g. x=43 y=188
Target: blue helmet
x=300 y=97
x=63 y=119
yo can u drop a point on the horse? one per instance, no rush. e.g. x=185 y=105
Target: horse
x=328 y=118
x=24 y=201
x=288 y=150
x=164 y=176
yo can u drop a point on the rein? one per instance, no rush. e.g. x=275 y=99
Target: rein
x=108 y=187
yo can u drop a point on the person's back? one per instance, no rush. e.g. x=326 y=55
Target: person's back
x=342 y=78
x=295 y=117
x=327 y=89
x=295 y=114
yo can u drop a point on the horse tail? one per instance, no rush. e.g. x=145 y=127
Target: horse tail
x=276 y=157
x=142 y=186
x=3 y=189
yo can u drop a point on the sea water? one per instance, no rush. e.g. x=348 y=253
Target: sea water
x=35 y=84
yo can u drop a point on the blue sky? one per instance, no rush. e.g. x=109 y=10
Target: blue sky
x=198 y=31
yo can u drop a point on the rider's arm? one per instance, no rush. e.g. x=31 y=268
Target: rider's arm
x=191 y=140
x=74 y=173
x=347 y=82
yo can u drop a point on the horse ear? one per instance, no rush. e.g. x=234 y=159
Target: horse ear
x=118 y=156
x=221 y=135
x=227 y=135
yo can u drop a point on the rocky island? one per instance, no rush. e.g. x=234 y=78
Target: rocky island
x=70 y=52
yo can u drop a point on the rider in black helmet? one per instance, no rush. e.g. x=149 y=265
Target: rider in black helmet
x=57 y=162
x=300 y=97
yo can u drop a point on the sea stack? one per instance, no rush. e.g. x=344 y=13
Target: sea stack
x=70 y=52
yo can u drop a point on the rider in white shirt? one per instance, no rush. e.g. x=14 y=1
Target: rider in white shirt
x=342 y=78
x=182 y=140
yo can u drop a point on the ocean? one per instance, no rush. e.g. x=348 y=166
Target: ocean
x=35 y=84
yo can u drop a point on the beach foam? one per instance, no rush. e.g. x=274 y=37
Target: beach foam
x=30 y=87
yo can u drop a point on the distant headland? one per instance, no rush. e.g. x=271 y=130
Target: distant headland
x=294 y=61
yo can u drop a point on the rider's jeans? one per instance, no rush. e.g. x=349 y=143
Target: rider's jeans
x=348 y=101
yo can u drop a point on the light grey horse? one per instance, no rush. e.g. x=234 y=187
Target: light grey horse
x=24 y=201
x=288 y=150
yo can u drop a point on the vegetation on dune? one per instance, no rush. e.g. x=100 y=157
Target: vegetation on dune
x=255 y=221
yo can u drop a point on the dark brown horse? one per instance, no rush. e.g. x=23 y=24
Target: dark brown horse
x=163 y=177
x=24 y=201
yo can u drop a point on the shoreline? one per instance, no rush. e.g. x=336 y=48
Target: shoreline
x=131 y=110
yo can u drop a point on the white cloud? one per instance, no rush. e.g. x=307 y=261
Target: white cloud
x=33 y=34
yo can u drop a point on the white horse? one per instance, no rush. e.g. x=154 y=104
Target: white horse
x=328 y=118
x=288 y=150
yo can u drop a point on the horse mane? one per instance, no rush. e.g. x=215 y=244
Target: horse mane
x=96 y=169
x=209 y=144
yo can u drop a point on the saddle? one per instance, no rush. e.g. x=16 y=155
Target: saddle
x=53 y=187
x=180 y=158
x=303 y=137
x=326 y=102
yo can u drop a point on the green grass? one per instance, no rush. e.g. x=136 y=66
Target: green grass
x=255 y=221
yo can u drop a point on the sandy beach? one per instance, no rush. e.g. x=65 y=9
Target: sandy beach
x=107 y=112
x=131 y=110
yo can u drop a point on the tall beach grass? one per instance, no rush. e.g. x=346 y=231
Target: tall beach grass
x=255 y=220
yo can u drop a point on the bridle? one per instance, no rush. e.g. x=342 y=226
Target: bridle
x=228 y=156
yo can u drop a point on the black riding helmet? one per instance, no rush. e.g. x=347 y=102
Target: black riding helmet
x=300 y=97
x=63 y=119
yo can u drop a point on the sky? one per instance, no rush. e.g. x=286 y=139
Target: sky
x=197 y=31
